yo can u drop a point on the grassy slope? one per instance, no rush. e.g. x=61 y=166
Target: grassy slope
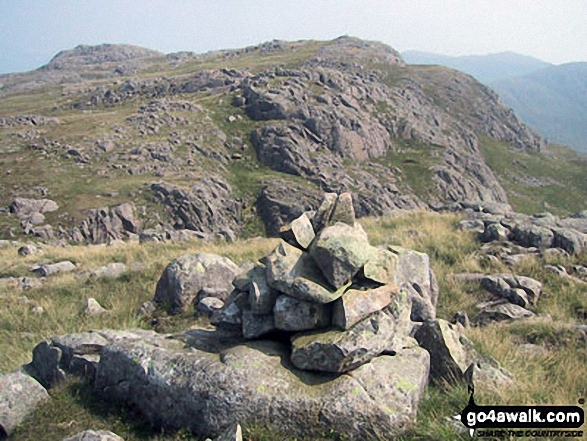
x=535 y=182
x=556 y=376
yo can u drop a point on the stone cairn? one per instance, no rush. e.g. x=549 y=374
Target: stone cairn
x=340 y=300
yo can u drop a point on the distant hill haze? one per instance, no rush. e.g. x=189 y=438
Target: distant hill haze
x=551 y=99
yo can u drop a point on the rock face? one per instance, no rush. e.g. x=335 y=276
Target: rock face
x=19 y=395
x=207 y=207
x=108 y=223
x=252 y=383
x=186 y=276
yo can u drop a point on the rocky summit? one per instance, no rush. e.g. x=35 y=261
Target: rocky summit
x=126 y=142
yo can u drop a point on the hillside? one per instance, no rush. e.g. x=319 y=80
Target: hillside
x=117 y=140
x=553 y=101
x=486 y=68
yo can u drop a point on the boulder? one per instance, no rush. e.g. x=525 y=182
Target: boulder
x=93 y=308
x=54 y=268
x=498 y=311
x=232 y=433
x=382 y=266
x=569 y=240
x=209 y=305
x=23 y=207
x=449 y=357
x=95 y=435
x=256 y=325
x=185 y=276
x=529 y=235
x=487 y=374
x=355 y=305
x=195 y=381
x=495 y=232
x=343 y=210
x=472 y=225
x=20 y=394
x=30 y=250
x=341 y=251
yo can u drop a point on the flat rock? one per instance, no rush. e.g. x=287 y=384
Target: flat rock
x=20 y=394
x=355 y=305
x=341 y=251
x=95 y=435
x=206 y=386
x=185 y=276
x=496 y=312
x=54 y=268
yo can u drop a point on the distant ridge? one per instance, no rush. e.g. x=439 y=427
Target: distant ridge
x=486 y=68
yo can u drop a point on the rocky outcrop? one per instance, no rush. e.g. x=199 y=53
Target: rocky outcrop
x=95 y=435
x=207 y=207
x=105 y=224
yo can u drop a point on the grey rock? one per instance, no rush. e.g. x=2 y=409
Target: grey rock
x=299 y=232
x=382 y=266
x=20 y=394
x=449 y=358
x=110 y=271
x=209 y=305
x=256 y=325
x=341 y=251
x=343 y=210
x=324 y=211
x=570 y=240
x=463 y=318
x=23 y=207
x=422 y=308
x=95 y=435
x=252 y=383
x=293 y=314
x=93 y=308
x=533 y=236
x=296 y=273
x=495 y=312
x=30 y=250
x=355 y=305
x=472 y=225
x=107 y=223
x=147 y=309
x=54 y=268
x=185 y=276
x=414 y=268
x=487 y=374
x=495 y=232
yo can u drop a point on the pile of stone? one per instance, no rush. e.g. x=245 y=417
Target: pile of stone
x=340 y=300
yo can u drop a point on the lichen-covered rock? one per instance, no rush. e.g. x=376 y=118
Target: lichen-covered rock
x=355 y=305
x=572 y=241
x=495 y=312
x=187 y=275
x=197 y=382
x=20 y=394
x=54 y=268
x=341 y=251
x=293 y=314
x=296 y=273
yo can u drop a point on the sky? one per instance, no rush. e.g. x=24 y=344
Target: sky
x=33 y=31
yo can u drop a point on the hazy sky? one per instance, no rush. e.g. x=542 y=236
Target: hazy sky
x=32 y=31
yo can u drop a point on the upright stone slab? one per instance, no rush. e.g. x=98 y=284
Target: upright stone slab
x=299 y=232
x=343 y=210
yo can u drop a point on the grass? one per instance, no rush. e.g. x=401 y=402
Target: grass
x=554 y=375
x=553 y=180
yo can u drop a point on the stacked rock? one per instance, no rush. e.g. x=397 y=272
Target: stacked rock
x=340 y=300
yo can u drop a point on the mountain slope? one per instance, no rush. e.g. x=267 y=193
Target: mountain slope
x=486 y=68
x=232 y=143
x=553 y=101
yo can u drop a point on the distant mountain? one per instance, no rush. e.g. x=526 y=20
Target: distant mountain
x=553 y=101
x=486 y=68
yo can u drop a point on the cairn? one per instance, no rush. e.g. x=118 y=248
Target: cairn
x=340 y=300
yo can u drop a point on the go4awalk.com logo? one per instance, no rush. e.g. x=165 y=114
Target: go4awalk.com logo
x=523 y=421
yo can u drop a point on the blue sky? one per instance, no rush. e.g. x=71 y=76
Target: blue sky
x=32 y=31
